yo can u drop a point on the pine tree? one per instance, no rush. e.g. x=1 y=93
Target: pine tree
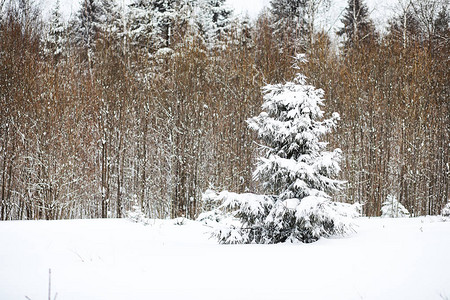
x=141 y=26
x=56 y=38
x=288 y=10
x=441 y=34
x=290 y=23
x=88 y=23
x=111 y=18
x=164 y=13
x=213 y=18
x=152 y=23
x=291 y=133
x=296 y=172
x=245 y=31
x=358 y=28
x=114 y=26
x=87 y=27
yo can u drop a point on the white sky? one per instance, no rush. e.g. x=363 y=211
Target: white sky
x=252 y=7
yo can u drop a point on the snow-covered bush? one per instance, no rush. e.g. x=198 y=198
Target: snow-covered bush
x=446 y=210
x=391 y=208
x=136 y=215
x=296 y=173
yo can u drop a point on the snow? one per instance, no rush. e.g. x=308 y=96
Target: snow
x=380 y=10
x=404 y=258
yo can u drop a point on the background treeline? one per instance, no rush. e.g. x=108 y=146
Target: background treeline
x=145 y=105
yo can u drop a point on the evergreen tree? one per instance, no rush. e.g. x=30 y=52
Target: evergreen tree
x=152 y=23
x=245 y=31
x=141 y=26
x=289 y=23
x=88 y=23
x=441 y=28
x=213 y=18
x=358 y=28
x=296 y=172
x=286 y=11
x=296 y=165
x=114 y=26
x=56 y=39
x=112 y=17
x=164 y=14
x=87 y=26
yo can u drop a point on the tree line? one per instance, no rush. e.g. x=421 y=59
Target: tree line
x=145 y=105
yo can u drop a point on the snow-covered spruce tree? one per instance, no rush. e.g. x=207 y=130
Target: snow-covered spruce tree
x=391 y=208
x=86 y=28
x=289 y=23
x=152 y=23
x=141 y=26
x=113 y=18
x=164 y=13
x=55 y=41
x=296 y=173
x=213 y=19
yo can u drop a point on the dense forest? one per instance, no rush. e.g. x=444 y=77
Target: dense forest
x=145 y=104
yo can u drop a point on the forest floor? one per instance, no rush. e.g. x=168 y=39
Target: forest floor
x=119 y=259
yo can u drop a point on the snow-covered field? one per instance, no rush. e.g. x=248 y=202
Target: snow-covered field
x=118 y=259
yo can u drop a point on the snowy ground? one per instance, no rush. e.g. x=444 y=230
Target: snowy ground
x=118 y=259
